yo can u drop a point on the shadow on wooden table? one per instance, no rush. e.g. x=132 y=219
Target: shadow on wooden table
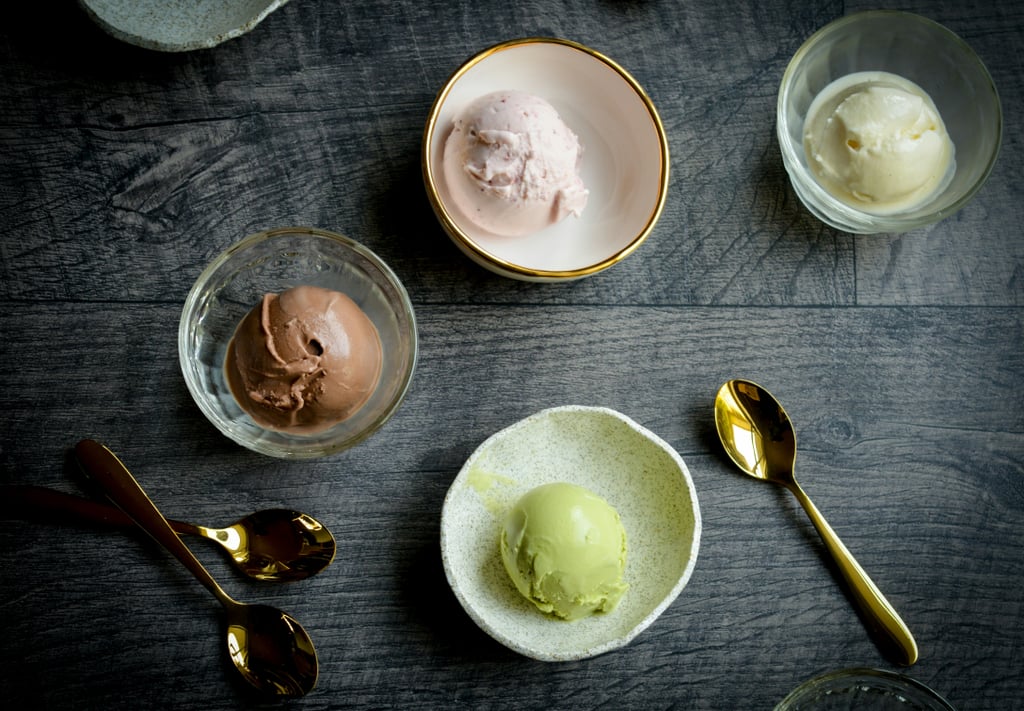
x=64 y=38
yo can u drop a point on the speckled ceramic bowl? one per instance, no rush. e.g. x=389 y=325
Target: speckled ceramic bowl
x=640 y=475
x=178 y=25
x=625 y=163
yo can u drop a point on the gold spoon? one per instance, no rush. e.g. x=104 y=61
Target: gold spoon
x=270 y=649
x=758 y=436
x=276 y=545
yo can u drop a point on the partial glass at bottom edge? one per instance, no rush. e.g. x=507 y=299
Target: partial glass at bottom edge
x=863 y=689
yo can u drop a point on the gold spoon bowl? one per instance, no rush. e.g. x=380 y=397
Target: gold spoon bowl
x=276 y=545
x=760 y=438
x=269 y=648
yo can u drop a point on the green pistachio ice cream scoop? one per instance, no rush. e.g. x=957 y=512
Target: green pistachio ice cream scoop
x=565 y=549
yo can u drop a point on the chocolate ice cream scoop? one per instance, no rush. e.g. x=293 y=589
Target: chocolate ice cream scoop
x=304 y=360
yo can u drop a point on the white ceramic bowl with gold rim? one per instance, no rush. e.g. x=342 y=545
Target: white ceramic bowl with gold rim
x=625 y=163
x=633 y=469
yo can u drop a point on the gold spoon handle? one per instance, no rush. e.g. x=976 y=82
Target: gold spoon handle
x=38 y=503
x=107 y=470
x=872 y=603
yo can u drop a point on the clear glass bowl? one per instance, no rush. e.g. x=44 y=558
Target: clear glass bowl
x=875 y=689
x=271 y=262
x=922 y=51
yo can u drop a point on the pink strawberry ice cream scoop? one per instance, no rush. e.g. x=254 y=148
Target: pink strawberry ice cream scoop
x=304 y=360
x=512 y=165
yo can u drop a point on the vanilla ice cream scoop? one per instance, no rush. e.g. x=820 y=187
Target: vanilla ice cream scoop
x=876 y=141
x=565 y=549
x=304 y=360
x=512 y=165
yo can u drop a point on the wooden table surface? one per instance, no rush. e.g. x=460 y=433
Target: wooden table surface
x=123 y=172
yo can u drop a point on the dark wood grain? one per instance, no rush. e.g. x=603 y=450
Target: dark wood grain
x=899 y=357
